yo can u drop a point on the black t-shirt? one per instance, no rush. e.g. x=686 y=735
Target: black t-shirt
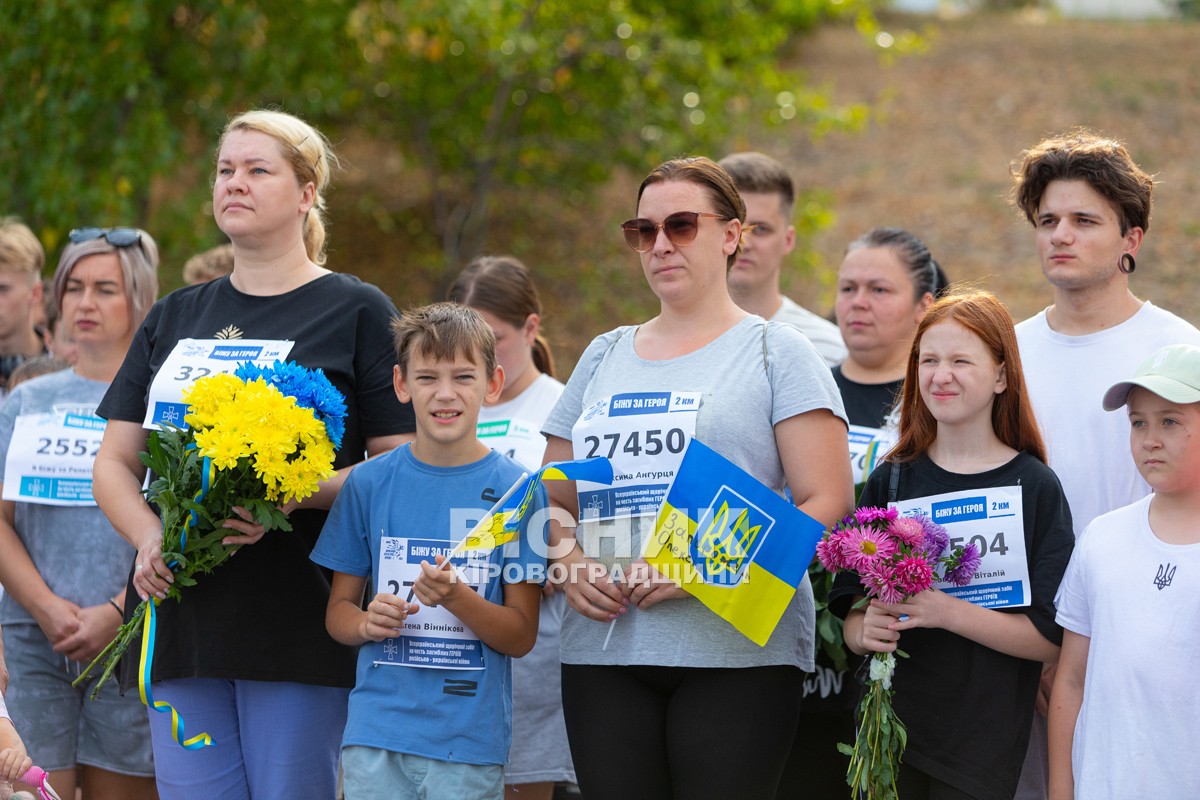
x=829 y=690
x=261 y=615
x=969 y=708
x=867 y=404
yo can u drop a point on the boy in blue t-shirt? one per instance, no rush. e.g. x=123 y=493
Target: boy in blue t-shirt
x=431 y=711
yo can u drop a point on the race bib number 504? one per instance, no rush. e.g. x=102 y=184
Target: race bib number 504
x=993 y=520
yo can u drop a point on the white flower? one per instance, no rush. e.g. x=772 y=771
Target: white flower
x=883 y=668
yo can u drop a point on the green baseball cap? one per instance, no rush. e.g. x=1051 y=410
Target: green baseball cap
x=1172 y=373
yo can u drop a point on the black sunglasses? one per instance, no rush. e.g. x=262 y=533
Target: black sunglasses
x=117 y=237
x=680 y=228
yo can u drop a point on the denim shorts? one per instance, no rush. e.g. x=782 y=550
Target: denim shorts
x=373 y=774
x=61 y=727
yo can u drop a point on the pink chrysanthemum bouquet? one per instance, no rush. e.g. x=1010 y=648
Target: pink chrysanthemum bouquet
x=895 y=558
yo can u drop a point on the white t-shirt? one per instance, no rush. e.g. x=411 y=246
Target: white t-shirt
x=515 y=427
x=824 y=335
x=1138 y=599
x=1068 y=375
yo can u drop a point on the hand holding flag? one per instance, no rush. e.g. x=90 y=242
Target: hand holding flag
x=503 y=522
x=731 y=542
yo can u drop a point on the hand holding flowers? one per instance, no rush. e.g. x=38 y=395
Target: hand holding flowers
x=258 y=438
x=898 y=560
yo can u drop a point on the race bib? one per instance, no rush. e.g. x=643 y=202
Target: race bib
x=644 y=434
x=518 y=439
x=867 y=447
x=50 y=458
x=193 y=359
x=433 y=638
x=992 y=519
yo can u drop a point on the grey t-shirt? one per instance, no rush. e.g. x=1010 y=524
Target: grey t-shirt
x=741 y=400
x=77 y=553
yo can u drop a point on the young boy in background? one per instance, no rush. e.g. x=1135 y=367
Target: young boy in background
x=430 y=714
x=1125 y=700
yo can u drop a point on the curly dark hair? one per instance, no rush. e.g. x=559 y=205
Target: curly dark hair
x=1081 y=155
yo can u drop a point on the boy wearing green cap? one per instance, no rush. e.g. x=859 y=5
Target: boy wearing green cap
x=1126 y=699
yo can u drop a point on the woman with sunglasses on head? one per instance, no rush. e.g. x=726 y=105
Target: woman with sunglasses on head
x=62 y=566
x=674 y=680
x=502 y=291
x=246 y=657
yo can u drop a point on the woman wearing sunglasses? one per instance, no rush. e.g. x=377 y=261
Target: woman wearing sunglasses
x=674 y=681
x=62 y=566
x=245 y=657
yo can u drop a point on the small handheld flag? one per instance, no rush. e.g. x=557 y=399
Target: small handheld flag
x=731 y=542
x=503 y=522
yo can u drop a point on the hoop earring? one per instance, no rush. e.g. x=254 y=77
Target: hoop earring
x=1126 y=263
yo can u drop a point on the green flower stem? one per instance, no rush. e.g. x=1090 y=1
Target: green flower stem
x=878 y=745
x=173 y=493
x=111 y=655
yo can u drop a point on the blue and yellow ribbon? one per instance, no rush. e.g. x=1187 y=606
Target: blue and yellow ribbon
x=162 y=706
x=149 y=623
x=207 y=471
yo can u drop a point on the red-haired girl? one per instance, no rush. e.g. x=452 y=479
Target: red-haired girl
x=970 y=457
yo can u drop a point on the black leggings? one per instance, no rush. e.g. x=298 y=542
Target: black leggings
x=913 y=784
x=680 y=732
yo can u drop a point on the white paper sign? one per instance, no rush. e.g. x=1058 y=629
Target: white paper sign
x=518 y=439
x=867 y=447
x=50 y=457
x=993 y=520
x=644 y=434
x=192 y=359
x=433 y=638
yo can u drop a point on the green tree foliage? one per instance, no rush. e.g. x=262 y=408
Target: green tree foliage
x=556 y=94
x=111 y=110
x=101 y=99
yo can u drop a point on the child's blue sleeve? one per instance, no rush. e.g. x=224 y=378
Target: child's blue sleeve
x=343 y=545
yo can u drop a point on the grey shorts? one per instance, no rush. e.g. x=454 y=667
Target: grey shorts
x=373 y=774
x=539 y=752
x=61 y=727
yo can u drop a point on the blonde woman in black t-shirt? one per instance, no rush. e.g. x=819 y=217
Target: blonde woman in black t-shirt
x=246 y=656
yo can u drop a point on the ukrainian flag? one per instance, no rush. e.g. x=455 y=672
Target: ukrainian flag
x=731 y=542
x=503 y=523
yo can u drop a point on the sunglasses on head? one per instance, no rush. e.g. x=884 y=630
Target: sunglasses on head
x=117 y=237
x=680 y=228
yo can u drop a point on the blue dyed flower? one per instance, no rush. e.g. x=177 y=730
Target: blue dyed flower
x=311 y=389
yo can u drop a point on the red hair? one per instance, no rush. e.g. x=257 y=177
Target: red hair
x=1012 y=414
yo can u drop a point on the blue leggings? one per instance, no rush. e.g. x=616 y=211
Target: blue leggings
x=270 y=740
x=655 y=733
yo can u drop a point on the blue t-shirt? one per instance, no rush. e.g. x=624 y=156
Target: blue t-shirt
x=456 y=715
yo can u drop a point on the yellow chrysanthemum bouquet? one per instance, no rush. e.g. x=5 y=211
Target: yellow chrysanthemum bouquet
x=257 y=438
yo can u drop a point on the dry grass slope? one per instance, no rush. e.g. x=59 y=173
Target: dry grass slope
x=950 y=122
x=934 y=160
